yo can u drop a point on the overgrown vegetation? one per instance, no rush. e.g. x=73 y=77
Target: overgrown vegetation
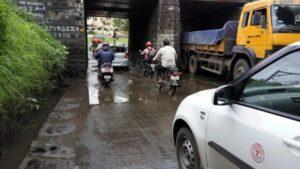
x=31 y=61
x=122 y=24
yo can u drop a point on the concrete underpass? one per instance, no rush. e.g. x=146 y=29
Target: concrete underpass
x=156 y=20
x=152 y=20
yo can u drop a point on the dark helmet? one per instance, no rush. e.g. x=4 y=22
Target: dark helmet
x=166 y=42
x=105 y=46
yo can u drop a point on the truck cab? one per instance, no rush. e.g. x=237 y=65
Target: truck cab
x=266 y=26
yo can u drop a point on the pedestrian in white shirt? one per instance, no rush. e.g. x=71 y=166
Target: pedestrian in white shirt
x=166 y=56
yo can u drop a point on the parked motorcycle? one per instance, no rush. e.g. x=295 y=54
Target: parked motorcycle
x=171 y=80
x=106 y=74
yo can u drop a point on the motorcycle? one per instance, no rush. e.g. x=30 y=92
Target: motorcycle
x=171 y=80
x=106 y=74
x=149 y=69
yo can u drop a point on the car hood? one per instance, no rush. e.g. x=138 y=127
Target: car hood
x=202 y=100
x=205 y=93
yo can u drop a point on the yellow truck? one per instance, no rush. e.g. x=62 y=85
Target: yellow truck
x=265 y=26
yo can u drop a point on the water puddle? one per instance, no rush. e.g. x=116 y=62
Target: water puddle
x=93 y=84
x=121 y=99
x=105 y=96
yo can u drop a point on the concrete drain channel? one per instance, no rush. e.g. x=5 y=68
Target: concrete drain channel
x=49 y=156
x=46 y=154
x=57 y=129
x=67 y=107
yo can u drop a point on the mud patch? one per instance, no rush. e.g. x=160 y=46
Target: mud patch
x=66 y=107
x=58 y=116
x=57 y=129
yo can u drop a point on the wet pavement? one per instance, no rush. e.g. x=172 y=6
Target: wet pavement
x=125 y=126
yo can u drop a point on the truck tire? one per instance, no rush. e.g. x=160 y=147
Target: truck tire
x=193 y=64
x=240 y=67
x=184 y=62
x=187 y=150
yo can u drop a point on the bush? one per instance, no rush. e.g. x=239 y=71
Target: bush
x=31 y=60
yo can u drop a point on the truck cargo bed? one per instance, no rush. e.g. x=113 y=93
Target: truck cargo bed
x=212 y=41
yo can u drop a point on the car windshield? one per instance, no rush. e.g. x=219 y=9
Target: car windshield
x=118 y=49
x=276 y=87
x=286 y=18
x=278 y=78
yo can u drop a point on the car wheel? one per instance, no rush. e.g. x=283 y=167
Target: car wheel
x=187 y=150
x=240 y=67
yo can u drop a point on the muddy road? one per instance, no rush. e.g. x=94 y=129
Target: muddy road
x=127 y=126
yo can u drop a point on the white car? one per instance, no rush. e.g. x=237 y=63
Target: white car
x=121 y=57
x=254 y=122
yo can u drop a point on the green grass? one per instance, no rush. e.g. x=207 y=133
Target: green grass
x=30 y=59
x=120 y=40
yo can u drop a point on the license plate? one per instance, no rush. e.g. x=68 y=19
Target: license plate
x=106 y=77
x=174 y=77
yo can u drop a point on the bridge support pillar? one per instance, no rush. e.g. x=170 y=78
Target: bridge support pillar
x=169 y=23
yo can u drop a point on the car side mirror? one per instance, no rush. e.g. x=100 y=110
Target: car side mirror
x=223 y=95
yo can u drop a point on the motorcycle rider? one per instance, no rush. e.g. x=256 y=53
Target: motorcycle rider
x=166 y=56
x=104 y=56
x=148 y=53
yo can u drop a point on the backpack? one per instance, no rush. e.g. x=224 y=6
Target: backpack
x=151 y=53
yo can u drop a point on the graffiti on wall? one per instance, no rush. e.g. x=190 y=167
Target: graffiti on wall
x=61 y=22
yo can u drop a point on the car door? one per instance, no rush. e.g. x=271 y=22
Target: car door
x=261 y=129
x=243 y=29
x=257 y=32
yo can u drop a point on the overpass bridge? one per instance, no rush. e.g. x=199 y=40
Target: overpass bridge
x=152 y=20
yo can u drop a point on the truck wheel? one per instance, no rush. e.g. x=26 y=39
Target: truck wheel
x=187 y=150
x=193 y=64
x=184 y=62
x=240 y=67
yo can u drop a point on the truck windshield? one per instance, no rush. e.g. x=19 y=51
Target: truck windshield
x=286 y=18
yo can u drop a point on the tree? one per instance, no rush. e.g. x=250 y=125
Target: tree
x=121 y=24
